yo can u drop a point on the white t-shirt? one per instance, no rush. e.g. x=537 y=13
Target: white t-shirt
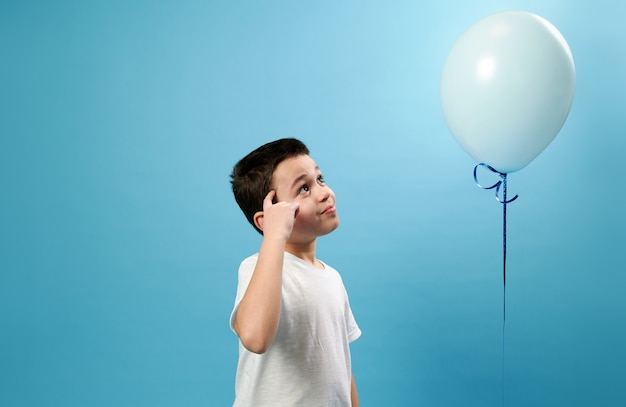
x=308 y=364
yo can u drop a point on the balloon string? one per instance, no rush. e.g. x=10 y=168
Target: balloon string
x=498 y=186
x=503 y=201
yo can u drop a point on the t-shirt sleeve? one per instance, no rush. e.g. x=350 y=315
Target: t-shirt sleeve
x=354 y=332
x=246 y=268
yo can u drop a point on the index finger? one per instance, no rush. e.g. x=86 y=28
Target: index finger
x=269 y=199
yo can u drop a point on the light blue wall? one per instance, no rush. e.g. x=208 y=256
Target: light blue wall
x=120 y=239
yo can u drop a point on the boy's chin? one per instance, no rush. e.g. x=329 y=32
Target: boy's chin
x=332 y=228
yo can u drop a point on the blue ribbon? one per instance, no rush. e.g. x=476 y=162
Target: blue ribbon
x=497 y=185
x=500 y=185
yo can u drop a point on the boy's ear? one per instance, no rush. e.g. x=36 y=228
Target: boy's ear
x=258 y=220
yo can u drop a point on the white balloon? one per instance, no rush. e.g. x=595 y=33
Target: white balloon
x=507 y=87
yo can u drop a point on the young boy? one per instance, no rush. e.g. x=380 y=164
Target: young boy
x=291 y=312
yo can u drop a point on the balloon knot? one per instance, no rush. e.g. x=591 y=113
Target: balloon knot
x=500 y=185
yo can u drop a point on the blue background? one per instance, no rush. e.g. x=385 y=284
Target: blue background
x=120 y=239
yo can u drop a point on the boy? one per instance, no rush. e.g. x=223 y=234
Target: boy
x=291 y=312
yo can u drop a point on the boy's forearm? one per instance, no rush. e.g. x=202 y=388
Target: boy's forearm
x=258 y=314
x=353 y=394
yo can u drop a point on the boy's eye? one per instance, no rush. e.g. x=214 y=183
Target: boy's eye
x=303 y=189
x=320 y=180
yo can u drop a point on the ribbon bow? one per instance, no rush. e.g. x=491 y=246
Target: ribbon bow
x=497 y=185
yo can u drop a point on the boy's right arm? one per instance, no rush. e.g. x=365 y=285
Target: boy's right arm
x=258 y=314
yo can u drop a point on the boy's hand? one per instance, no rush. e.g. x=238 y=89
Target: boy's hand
x=278 y=218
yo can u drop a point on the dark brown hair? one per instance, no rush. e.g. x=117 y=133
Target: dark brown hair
x=251 y=178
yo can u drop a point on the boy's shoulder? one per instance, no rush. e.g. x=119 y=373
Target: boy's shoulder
x=252 y=257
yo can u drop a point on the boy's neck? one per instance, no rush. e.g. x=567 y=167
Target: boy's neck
x=305 y=252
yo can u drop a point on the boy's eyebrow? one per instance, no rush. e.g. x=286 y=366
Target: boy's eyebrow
x=302 y=178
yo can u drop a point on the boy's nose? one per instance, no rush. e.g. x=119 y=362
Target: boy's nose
x=324 y=194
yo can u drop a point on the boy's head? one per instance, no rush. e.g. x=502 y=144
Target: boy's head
x=251 y=178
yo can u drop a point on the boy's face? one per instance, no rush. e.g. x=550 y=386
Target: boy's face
x=298 y=179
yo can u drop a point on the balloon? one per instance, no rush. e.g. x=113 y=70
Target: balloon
x=507 y=86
